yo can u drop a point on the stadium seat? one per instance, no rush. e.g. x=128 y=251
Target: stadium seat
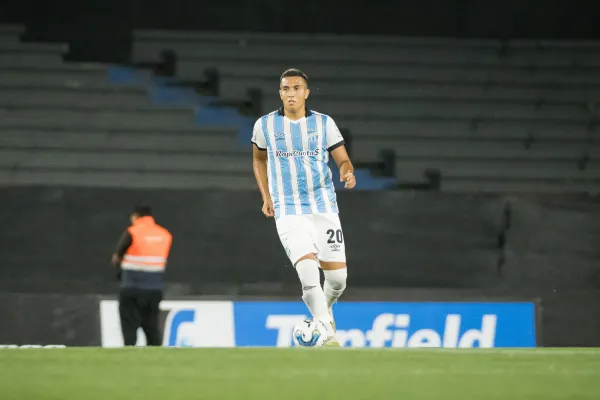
x=475 y=110
x=485 y=114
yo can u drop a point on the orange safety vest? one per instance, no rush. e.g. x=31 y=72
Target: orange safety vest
x=150 y=246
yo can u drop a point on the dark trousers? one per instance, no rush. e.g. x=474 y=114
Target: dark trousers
x=139 y=308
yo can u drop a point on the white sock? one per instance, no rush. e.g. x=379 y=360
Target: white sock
x=335 y=284
x=312 y=293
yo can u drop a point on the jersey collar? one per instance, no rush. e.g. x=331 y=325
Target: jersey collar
x=308 y=112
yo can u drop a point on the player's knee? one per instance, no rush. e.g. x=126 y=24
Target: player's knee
x=308 y=272
x=336 y=278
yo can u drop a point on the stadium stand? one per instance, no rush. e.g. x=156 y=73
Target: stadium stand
x=66 y=124
x=475 y=115
x=486 y=115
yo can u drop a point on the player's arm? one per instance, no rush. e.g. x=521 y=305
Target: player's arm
x=335 y=146
x=342 y=160
x=259 y=165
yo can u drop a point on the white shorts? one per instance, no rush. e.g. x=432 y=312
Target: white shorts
x=320 y=234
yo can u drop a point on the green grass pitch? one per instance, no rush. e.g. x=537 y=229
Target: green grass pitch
x=286 y=374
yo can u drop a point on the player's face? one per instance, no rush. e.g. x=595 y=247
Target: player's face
x=293 y=92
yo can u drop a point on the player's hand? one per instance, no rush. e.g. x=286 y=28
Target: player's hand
x=268 y=208
x=349 y=179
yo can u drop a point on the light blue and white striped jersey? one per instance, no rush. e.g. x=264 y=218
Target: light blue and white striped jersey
x=297 y=161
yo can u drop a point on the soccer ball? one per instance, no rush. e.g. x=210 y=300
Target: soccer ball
x=309 y=333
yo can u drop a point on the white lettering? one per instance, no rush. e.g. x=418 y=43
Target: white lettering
x=393 y=330
x=401 y=335
x=379 y=333
x=285 y=325
x=425 y=338
x=452 y=331
x=485 y=336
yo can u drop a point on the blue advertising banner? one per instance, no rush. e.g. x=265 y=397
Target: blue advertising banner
x=373 y=324
x=369 y=324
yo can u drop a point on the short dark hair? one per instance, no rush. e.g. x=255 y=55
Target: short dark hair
x=143 y=210
x=294 y=72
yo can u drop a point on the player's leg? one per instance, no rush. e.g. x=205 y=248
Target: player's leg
x=334 y=285
x=307 y=268
x=330 y=243
x=129 y=316
x=294 y=233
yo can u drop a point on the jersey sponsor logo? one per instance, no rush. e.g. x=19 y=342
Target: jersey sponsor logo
x=297 y=153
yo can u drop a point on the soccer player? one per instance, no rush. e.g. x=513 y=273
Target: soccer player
x=290 y=161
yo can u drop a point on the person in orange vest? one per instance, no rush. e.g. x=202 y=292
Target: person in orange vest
x=141 y=258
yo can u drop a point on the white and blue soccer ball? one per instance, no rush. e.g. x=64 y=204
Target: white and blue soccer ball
x=309 y=333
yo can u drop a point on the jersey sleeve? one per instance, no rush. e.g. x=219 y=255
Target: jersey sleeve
x=333 y=136
x=258 y=137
